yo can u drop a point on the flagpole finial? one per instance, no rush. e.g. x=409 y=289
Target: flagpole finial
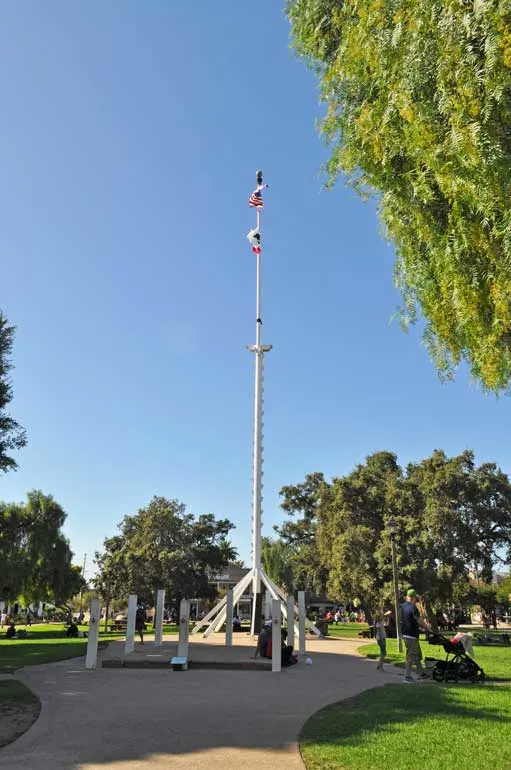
x=259 y=176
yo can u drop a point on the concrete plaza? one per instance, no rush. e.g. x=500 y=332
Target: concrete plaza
x=156 y=719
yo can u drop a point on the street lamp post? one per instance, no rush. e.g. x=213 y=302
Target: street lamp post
x=392 y=525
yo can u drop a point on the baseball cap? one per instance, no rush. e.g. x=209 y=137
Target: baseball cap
x=411 y=592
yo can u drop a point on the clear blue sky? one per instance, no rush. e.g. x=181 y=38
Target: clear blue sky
x=129 y=138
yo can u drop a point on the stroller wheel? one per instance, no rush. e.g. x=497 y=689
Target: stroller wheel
x=438 y=673
x=451 y=673
x=479 y=677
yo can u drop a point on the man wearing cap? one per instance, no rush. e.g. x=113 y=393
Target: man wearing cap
x=411 y=622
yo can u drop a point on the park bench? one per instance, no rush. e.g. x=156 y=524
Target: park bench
x=322 y=626
x=118 y=625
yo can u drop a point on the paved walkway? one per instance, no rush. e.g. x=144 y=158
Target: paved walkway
x=155 y=720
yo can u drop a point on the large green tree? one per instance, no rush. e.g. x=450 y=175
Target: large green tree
x=298 y=534
x=418 y=112
x=163 y=546
x=276 y=561
x=452 y=520
x=503 y=591
x=12 y=435
x=35 y=556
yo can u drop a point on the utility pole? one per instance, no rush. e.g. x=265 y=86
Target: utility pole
x=392 y=525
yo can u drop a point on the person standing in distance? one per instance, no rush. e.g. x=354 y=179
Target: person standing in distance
x=411 y=623
x=140 y=621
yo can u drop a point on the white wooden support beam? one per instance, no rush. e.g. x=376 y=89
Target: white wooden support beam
x=301 y=622
x=158 y=620
x=184 y=626
x=129 y=644
x=276 y=637
x=228 y=618
x=92 y=640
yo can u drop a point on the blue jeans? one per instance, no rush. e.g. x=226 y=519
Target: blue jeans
x=382 y=644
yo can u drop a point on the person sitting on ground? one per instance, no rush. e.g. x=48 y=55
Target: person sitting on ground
x=263 y=640
x=236 y=622
x=286 y=652
x=72 y=631
x=287 y=659
x=11 y=631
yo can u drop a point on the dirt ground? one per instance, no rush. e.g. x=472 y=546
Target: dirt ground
x=19 y=709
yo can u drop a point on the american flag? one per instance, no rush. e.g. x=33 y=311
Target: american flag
x=256 y=199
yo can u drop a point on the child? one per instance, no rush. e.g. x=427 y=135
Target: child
x=381 y=638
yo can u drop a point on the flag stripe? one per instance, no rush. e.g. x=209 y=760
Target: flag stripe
x=256 y=199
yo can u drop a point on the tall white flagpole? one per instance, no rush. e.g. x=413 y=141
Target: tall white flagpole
x=259 y=349
x=216 y=617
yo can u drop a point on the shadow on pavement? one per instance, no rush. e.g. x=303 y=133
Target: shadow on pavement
x=152 y=719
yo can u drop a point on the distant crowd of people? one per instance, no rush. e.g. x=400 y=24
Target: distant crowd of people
x=340 y=615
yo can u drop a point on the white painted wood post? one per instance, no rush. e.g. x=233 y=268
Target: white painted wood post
x=158 y=619
x=184 y=627
x=92 y=640
x=301 y=622
x=267 y=605
x=228 y=619
x=129 y=644
x=291 y=620
x=276 y=637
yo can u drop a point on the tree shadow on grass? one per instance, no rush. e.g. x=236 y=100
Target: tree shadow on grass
x=383 y=710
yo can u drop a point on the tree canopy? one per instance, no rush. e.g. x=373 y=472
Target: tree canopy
x=299 y=533
x=453 y=521
x=503 y=591
x=276 y=559
x=163 y=546
x=35 y=556
x=418 y=112
x=12 y=435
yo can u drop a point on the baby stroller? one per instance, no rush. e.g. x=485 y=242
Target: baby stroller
x=457 y=664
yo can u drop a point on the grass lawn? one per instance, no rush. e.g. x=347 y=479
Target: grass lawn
x=348 y=630
x=496 y=661
x=426 y=726
x=15 y=653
